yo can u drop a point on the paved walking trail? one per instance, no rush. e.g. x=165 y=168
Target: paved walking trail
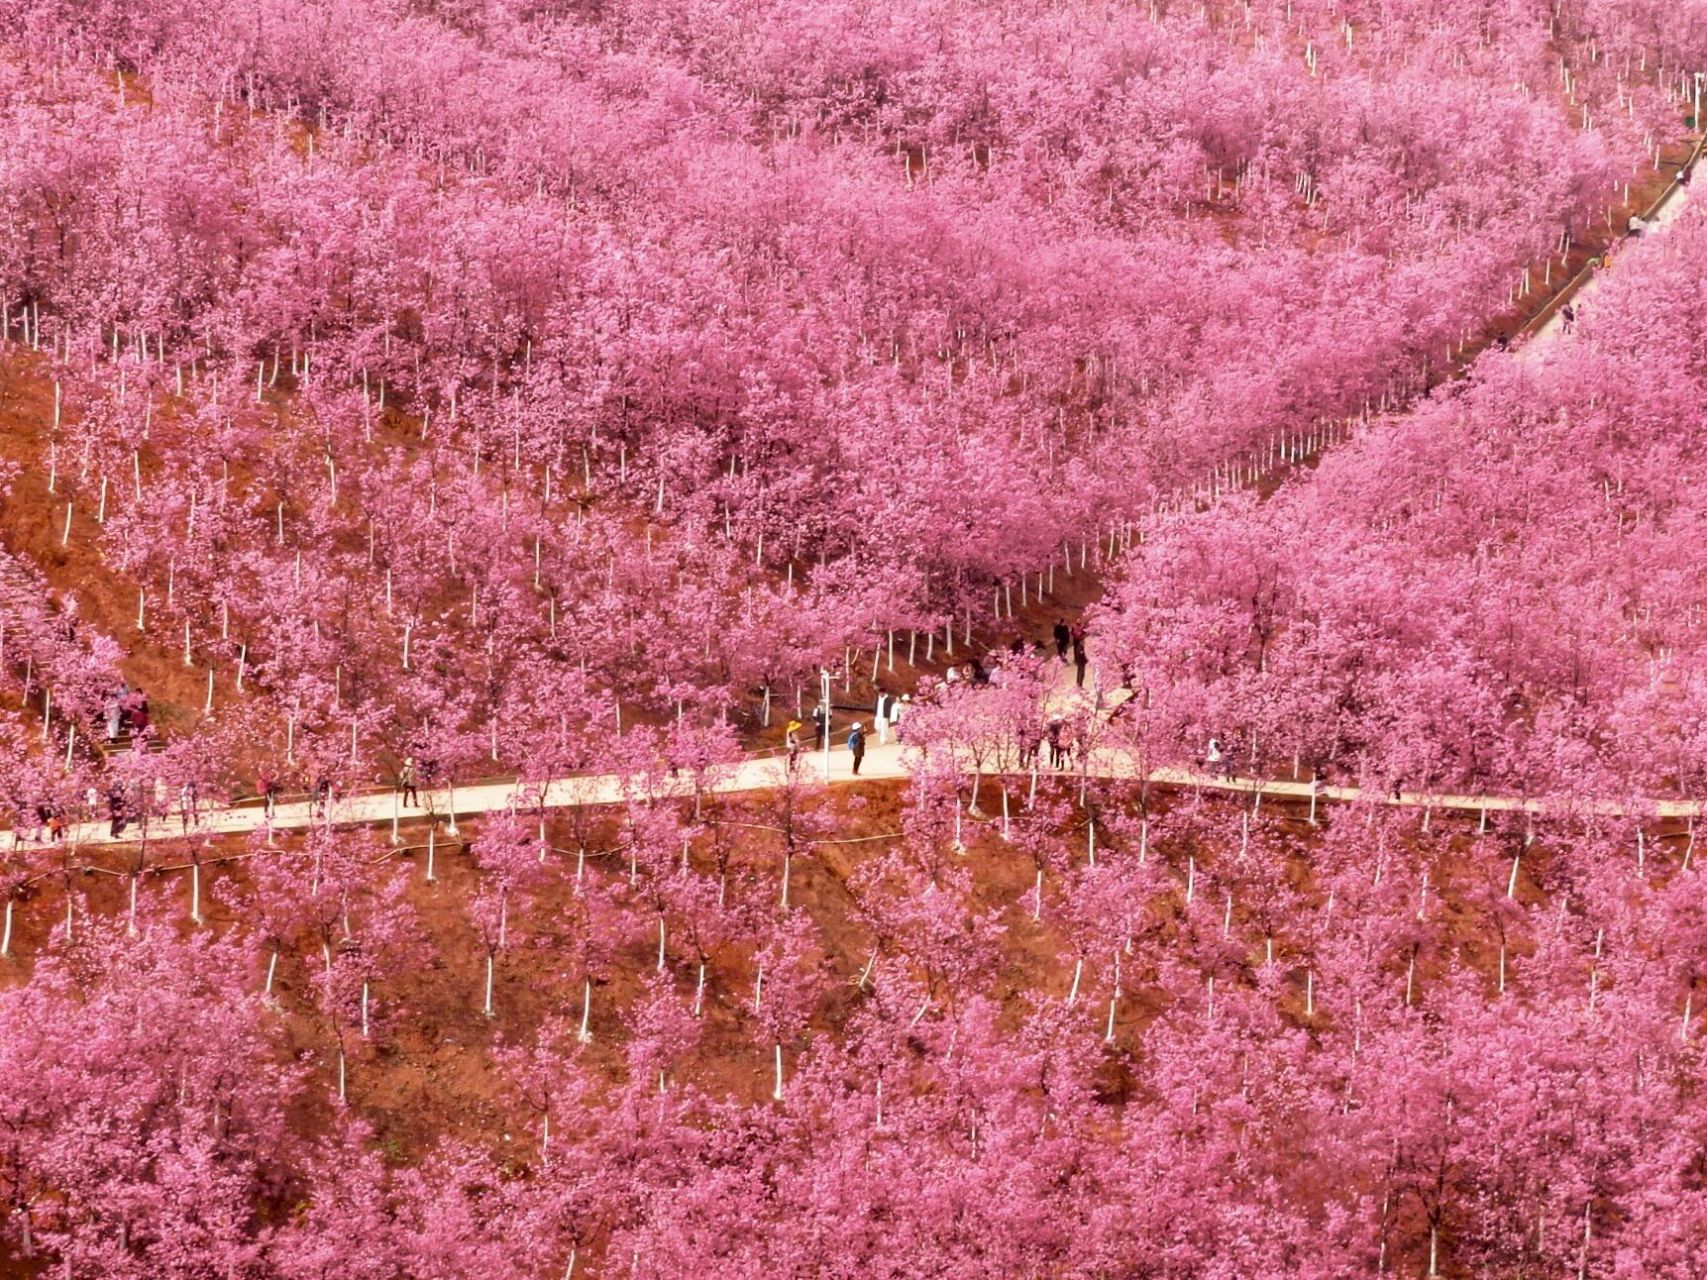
x=761 y=773
x=1660 y=216
x=764 y=773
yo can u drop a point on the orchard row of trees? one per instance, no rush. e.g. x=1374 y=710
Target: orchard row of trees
x=503 y=369
x=551 y=388
x=1496 y=591
x=1194 y=1040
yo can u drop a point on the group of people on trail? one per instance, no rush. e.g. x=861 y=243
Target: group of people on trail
x=50 y=823
x=121 y=804
x=889 y=710
x=1056 y=736
x=126 y=711
x=1069 y=647
x=140 y=801
x=270 y=786
x=887 y=714
x=124 y=804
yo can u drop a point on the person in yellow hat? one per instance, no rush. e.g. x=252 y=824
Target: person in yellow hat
x=791 y=739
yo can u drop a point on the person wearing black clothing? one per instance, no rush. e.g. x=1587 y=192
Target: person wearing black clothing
x=406 y=782
x=821 y=723
x=1062 y=638
x=1079 y=659
x=856 y=744
x=115 y=809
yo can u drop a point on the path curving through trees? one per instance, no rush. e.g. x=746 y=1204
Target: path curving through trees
x=889 y=763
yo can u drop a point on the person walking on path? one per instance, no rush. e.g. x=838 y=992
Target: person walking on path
x=1567 y=318
x=1215 y=760
x=115 y=810
x=1080 y=660
x=1030 y=744
x=897 y=710
x=406 y=783
x=884 y=709
x=856 y=744
x=1063 y=637
x=791 y=740
x=821 y=724
x=188 y=796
